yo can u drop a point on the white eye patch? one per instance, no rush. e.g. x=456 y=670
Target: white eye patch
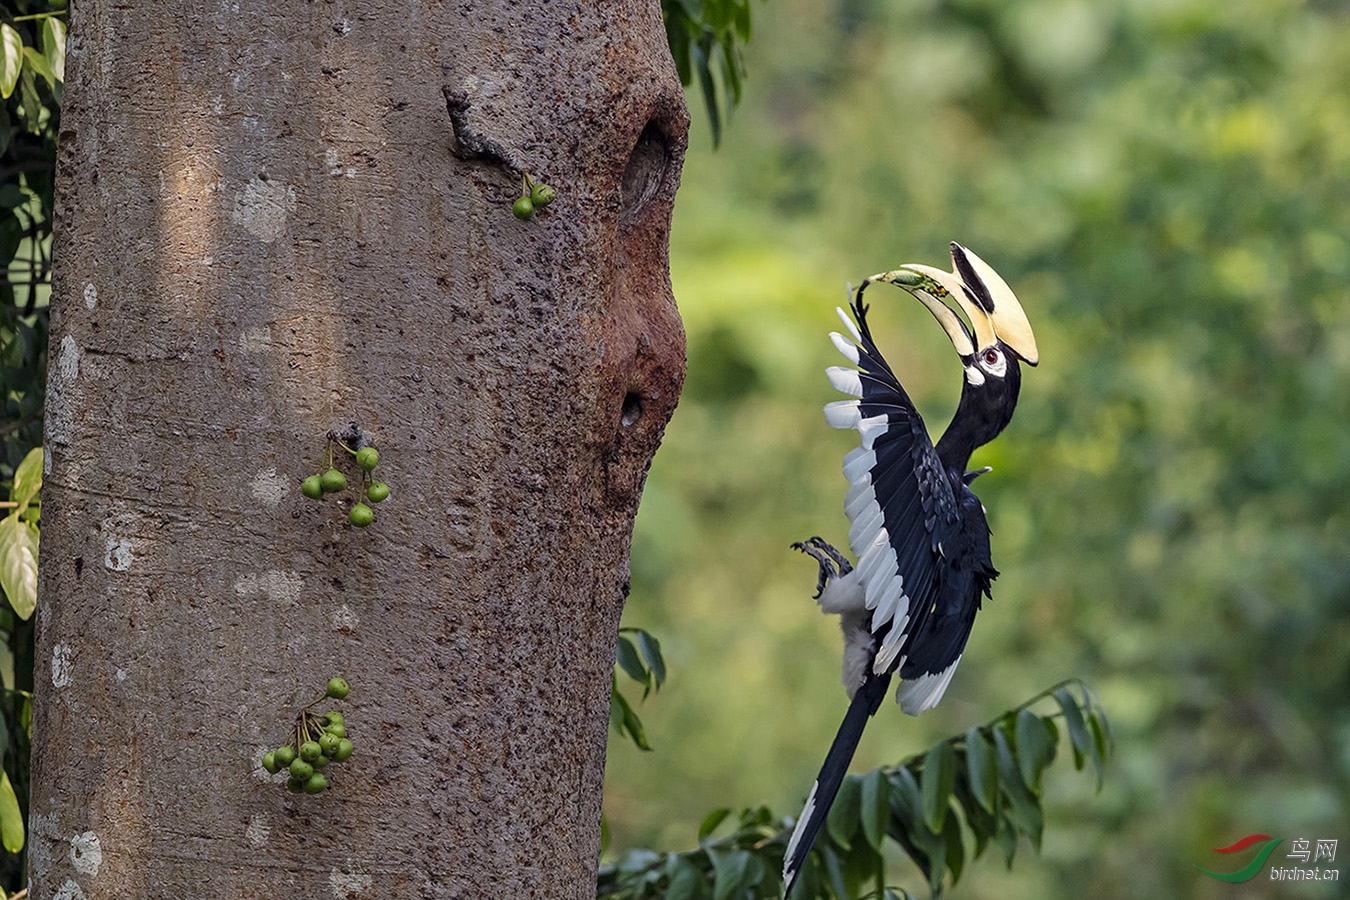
x=994 y=361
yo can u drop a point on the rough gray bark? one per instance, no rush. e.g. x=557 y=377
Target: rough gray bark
x=274 y=217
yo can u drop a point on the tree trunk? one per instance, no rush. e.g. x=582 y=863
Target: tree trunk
x=275 y=218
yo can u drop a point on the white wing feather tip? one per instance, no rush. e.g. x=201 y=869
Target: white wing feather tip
x=845 y=381
x=871 y=428
x=848 y=323
x=858 y=464
x=843 y=345
x=843 y=414
x=923 y=693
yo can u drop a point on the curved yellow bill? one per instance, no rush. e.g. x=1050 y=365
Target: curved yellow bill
x=993 y=310
x=987 y=290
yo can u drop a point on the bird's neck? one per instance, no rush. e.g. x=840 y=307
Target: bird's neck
x=957 y=444
x=979 y=418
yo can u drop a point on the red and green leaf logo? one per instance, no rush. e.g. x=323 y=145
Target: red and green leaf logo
x=1247 y=872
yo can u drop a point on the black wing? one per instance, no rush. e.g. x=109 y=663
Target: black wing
x=901 y=505
x=937 y=643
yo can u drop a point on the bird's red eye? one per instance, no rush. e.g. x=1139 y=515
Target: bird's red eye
x=991 y=356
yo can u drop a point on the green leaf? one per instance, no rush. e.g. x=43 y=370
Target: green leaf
x=678 y=39
x=708 y=86
x=630 y=662
x=1006 y=838
x=874 y=807
x=742 y=20
x=11 y=195
x=11 y=58
x=52 y=34
x=11 y=819
x=1101 y=739
x=1079 y=736
x=758 y=874
x=834 y=871
x=923 y=846
x=32 y=103
x=624 y=720
x=686 y=881
x=711 y=821
x=633 y=725
x=842 y=821
x=7 y=674
x=18 y=564
x=692 y=8
x=731 y=69
x=757 y=817
x=956 y=849
x=715 y=15
x=860 y=865
x=1108 y=739
x=730 y=873
x=1024 y=810
x=980 y=769
x=1034 y=748
x=27 y=480
x=937 y=778
x=39 y=64
x=651 y=652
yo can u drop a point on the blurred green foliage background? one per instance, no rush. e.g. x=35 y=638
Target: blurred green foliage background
x=1166 y=185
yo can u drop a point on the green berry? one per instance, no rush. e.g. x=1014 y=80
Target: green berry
x=285 y=756
x=310 y=751
x=345 y=748
x=270 y=763
x=328 y=743
x=315 y=783
x=367 y=458
x=301 y=769
x=542 y=195
x=523 y=208
x=337 y=730
x=320 y=763
x=332 y=481
x=337 y=688
x=377 y=491
x=312 y=487
x=361 y=515
x=295 y=785
x=330 y=717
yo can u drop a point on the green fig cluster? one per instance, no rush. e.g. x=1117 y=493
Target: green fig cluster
x=330 y=480
x=534 y=196
x=317 y=740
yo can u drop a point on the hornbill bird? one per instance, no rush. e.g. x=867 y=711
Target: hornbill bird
x=918 y=531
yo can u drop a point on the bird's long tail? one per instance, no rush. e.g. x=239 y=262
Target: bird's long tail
x=865 y=703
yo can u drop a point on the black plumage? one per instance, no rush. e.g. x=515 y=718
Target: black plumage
x=917 y=528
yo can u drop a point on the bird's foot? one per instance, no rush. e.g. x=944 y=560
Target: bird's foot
x=832 y=562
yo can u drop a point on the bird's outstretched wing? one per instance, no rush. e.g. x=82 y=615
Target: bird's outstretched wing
x=900 y=502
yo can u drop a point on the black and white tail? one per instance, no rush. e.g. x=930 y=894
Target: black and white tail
x=865 y=703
